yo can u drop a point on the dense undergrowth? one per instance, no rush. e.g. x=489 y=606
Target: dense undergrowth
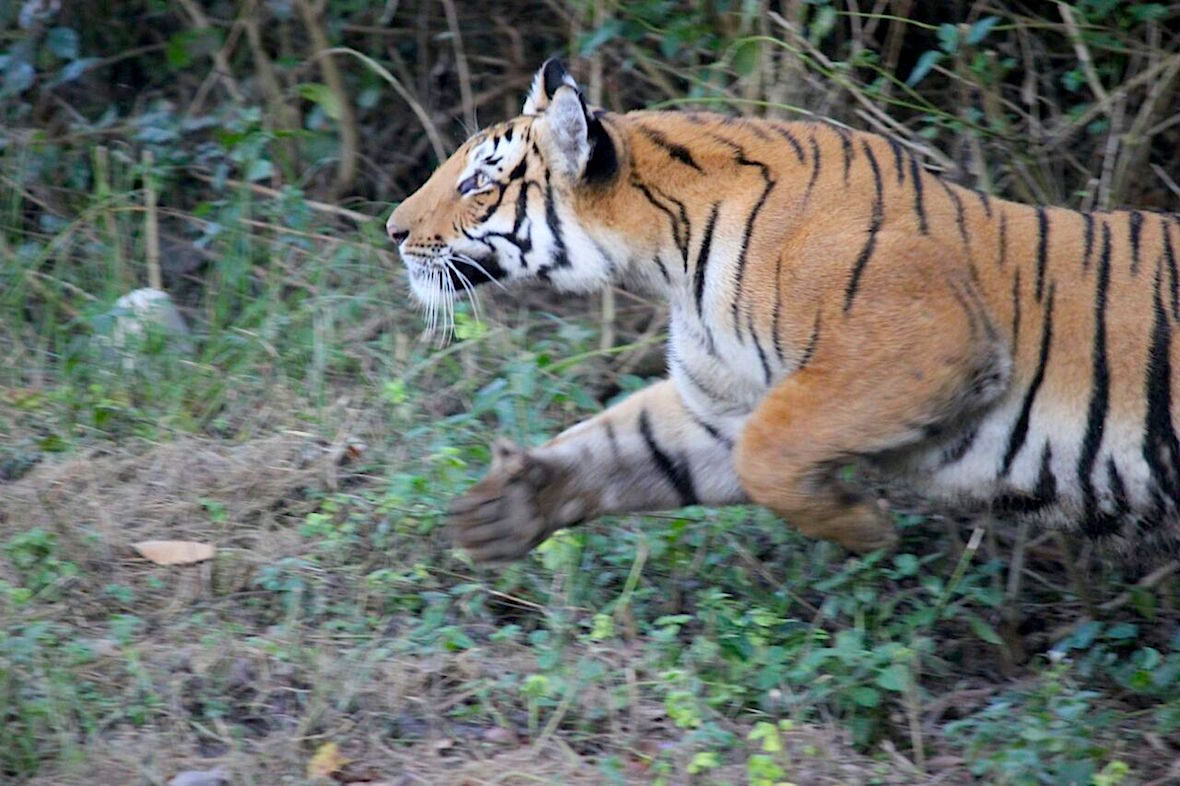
x=308 y=431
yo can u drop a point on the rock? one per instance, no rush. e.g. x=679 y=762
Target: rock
x=132 y=314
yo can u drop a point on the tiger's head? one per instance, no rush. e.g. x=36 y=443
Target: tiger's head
x=517 y=202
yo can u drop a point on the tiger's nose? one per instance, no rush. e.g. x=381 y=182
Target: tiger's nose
x=396 y=233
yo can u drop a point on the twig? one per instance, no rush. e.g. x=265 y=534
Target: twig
x=1149 y=581
x=220 y=61
x=913 y=706
x=283 y=114
x=321 y=207
x=1082 y=51
x=102 y=188
x=346 y=167
x=461 y=69
x=151 y=222
x=381 y=71
x=1110 y=154
x=1168 y=181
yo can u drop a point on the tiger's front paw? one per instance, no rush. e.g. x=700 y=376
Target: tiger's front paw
x=511 y=510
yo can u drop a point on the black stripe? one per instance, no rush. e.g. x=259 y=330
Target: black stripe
x=1003 y=236
x=972 y=319
x=1015 y=311
x=1020 y=428
x=612 y=438
x=1170 y=258
x=1095 y=524
x=679 y=233
x=768 y=186
x=703 y=256
x=1118 y=489
x=1088 y=218
x=754 y=128
x=809 y=350
x=554 y=223
x=898 y=166
x=846 y=147
x=960 y=218
x=674 y=471
x=776 y=313
x=981 y=311
x=1135 y=220
x=875 y=221
x=959 y=448
x=985 y=200
x=495 y=205
x=697 y=382
x=1161 y=449
x=1042 y=250
x=814 y=167
x=676 y=151
x=916 y=175
x=758 y=348
x=786 y=134
x=1043 y=494
x=663 y=270
x=710 y=429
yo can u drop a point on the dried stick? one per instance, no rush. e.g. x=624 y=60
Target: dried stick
x=151 y=223
x=461 y=69
x=220 y=61
x=346 y=168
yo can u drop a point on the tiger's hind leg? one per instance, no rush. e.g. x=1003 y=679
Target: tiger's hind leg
x=887 y=383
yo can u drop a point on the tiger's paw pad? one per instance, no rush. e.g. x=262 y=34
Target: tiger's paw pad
x=500 y=518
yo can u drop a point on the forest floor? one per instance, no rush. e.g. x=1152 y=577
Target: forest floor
x=336 y=636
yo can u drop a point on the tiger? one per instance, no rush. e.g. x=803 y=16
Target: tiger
x=832 y=303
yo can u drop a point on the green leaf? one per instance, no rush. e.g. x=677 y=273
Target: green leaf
x=322 y=96
x=980 y=29
x=948 y=37
x=823 y=24
x=984 y=631
x=609 y=29
x=895 y=678
x=865 y=696
x=259 y=169
x=927 y=61
x=63 y=42
x=745 y=59
x=176 y=52
x=18 y=77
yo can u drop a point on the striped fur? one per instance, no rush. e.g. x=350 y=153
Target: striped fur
x=831 y=302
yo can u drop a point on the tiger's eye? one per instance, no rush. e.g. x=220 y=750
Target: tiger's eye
x=473 y=183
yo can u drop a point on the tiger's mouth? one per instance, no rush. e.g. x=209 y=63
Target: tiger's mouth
x=463 y=271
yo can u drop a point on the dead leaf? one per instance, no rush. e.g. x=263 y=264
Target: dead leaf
x=174 y=552
x=500 y=735
x=214 y=777
x=326 y=761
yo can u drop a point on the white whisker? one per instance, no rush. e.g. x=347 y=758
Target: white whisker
x=468 y=260
x=468 y=287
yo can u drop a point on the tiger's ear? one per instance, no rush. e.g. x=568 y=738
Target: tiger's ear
x=549 y=77
x=566 y=137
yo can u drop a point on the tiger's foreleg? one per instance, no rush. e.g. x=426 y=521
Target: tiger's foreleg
x=646 y=453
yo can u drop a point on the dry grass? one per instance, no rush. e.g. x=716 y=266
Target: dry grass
x=286 y=685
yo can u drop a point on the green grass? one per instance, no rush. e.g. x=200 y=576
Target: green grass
x=701 y=646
